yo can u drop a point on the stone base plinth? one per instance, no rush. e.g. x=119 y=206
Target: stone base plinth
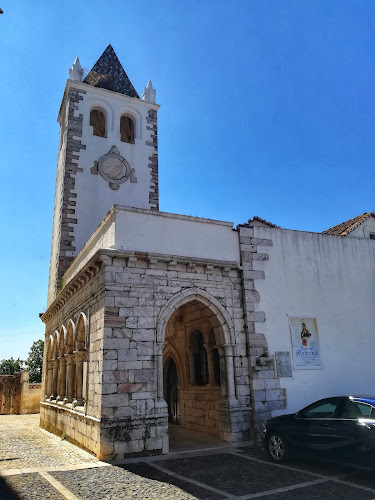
x=77 y=428
x=108 y=439
x=131 y=436
x=236 y=423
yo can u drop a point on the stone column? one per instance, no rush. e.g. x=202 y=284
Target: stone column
x=49 y=374
x=55 y=369
x=62 y=379
x=190 y=355
x=159 y=357
x=80 y=357
x=231 y=392
x=210 y=361
x=70 y=378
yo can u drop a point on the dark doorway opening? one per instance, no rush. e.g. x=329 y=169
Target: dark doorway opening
x=171 y=390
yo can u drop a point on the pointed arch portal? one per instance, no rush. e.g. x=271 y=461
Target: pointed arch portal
x=195 y=339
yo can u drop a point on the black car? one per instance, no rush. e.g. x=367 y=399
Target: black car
x=341 y=427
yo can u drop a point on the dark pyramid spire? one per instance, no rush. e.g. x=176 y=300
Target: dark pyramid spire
x=107 y=73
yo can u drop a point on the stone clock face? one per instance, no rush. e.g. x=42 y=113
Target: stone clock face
x=114 y=169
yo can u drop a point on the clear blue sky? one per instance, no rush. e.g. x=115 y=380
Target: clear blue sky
x=267 y=109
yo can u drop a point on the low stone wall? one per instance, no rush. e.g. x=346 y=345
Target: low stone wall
x=108 y=439
x=200 y=409
x=17 y=396
x=31 y=395
x=10 y=394
x=72 y=425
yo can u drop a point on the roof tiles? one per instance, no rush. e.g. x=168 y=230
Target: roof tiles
x=348 y=226
x=108 y=73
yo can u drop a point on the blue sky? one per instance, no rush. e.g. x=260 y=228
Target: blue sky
x=267 y=108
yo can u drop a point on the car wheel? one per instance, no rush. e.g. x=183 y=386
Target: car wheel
x=277 y=447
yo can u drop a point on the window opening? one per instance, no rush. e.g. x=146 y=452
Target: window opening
x=201 y=368
x=127 y=129
x=97 y=121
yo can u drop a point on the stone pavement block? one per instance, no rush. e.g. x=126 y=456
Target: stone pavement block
x=27 y=487
x=147 y=471
x=115 y=483
x=234 y=474
x=329 y=490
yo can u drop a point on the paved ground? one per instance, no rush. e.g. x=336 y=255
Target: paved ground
x=23 y=444
x=48 y=468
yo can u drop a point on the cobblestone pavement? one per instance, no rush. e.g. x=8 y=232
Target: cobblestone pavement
x=212 y=474
x=24 y=444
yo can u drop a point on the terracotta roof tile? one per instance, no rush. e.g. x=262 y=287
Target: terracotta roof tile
x=348 y=226
x=108 y=73
x=258 y=219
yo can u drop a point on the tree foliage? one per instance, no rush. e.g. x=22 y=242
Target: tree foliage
x=10 y=366
x=34 y=361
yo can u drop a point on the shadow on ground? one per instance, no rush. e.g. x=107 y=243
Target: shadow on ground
x=6 y=492
x=145 y=470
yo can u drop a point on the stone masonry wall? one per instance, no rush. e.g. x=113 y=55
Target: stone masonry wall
x=10 y=394
x=31 y=395
x=85 y=293
x=266 y=392
x=200 y=409
x=124 y=296
x=65 y=196
x=152 y=125
x=138 y=285
x=17 y=396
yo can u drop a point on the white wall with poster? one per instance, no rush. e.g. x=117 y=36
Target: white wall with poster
x=328 y=282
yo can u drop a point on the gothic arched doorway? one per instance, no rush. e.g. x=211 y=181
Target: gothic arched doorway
x=171 y=390
x=196 y=331
x=194 y=374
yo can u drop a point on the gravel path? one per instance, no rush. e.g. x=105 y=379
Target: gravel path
x=24 y=445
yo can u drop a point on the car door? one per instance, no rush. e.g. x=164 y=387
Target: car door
x=349 y=435
x=314 y=424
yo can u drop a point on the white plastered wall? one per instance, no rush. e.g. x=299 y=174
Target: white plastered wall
x=173 y=234
x=364 y=230
x=94 y=196
x=137 y=230
x=332 y=279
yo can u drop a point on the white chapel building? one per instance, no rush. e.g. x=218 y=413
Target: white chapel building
x=157 y=319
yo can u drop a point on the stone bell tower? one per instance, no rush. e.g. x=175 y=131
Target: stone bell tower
x=107 y=155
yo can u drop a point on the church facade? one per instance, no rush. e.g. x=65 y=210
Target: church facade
x=158 y=319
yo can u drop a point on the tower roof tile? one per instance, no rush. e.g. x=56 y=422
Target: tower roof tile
x=108 y=73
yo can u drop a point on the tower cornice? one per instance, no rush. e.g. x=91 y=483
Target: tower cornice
x=102 y=92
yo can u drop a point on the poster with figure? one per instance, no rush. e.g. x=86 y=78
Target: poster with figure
x=305 y=343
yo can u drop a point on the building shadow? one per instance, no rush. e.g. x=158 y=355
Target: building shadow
x=147 y=471
x=6 y=491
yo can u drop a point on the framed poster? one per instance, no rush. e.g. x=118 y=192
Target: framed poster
x=305 y=343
